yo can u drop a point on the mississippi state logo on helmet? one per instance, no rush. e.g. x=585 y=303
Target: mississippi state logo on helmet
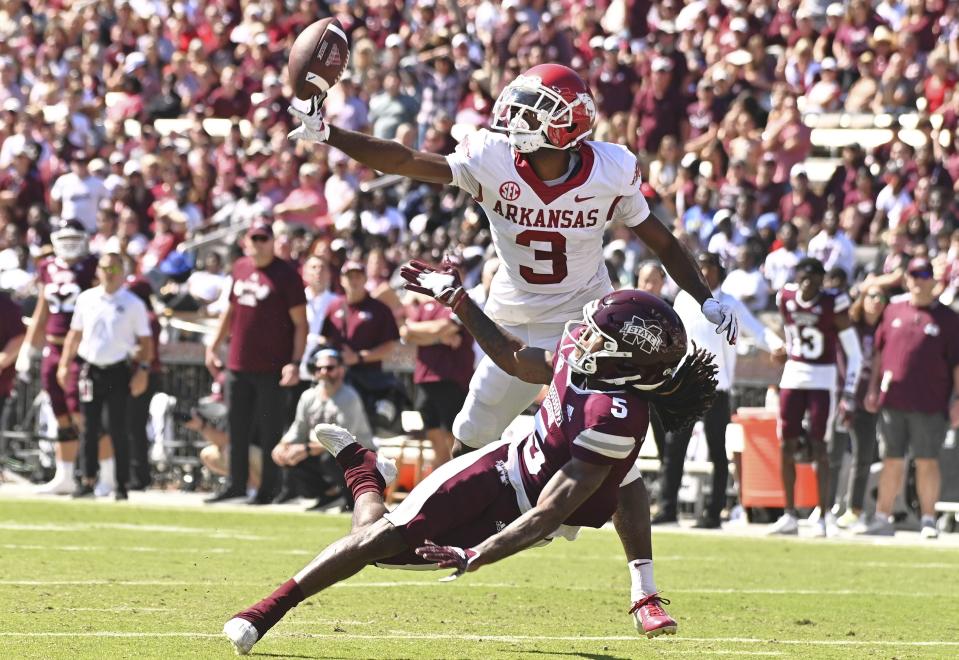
x=548 y=106
x=627 y=336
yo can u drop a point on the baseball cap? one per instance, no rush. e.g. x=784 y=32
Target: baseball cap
x=768 y=221
x=835 y=10
x=769 y=158
x=260 y=229
x=12 y=104
x=394 y=41
x=459 y=40
x=722 y=214
x=662 y=64
x=740 y=57
x=920 y=267
x=798 y=170
x=352 y=264
x=596 y=41
x=134 y=61
x=666 y=27
x=131 y=167
x=829 y=64
x=610 y=44
x=739 y=24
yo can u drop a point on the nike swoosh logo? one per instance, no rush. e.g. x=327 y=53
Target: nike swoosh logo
x=583 y=199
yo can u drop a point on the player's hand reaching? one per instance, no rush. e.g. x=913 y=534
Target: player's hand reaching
x=449 y=556
x=442 y=283
x=723 y=317
x=313 y=127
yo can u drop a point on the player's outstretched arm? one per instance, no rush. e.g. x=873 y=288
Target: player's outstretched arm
x=564 y=493
x=381 y=155
x=533 y=365
x=391 y=157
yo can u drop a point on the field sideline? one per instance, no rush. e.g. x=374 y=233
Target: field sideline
x=100 y=580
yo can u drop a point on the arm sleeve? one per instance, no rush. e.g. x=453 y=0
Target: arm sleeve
x=849 y=339
x=842 y=303
x=631 y=207
x=76 y=321
x=464 y=163
x=141 y=320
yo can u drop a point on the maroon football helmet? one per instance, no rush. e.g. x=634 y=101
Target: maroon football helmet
x=627 y=336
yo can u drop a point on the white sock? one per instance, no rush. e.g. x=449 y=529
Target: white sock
x=64 y=471
x=641 y=575
x=108 y=472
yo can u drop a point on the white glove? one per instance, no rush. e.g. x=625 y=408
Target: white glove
x=313 y=127
x=24 y=359
x=723 y=317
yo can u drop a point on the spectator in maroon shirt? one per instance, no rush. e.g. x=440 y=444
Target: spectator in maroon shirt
x=656 y=111
x=800 y=202
x=20 y=186
x=613 y=83
x=915 y=373
x=768 y=192
x=361 y=327
x=228 y=100
x=704 y=117
x=843 y=179
x=444 y=365
x=266 y=323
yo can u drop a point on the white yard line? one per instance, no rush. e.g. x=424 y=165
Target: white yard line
x=210 y=532
x=115 y=548
x=403 y=635
x=481 y=585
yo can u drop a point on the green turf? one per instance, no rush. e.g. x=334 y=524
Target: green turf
x=168 y=579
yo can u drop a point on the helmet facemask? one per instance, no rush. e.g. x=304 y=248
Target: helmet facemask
x=527 y=96
x=70 y=244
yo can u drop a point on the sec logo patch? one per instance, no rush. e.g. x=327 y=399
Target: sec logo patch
x=509 y=191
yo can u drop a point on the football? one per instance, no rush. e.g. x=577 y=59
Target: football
x=318 y=58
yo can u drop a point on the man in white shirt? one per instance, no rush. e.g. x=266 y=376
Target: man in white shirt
x=77 y=194
x=891 y=200
x=109 y=325
x=703 y=333
x=780 y=264
x=832 y=247
x=747 y=283
x=317 y=276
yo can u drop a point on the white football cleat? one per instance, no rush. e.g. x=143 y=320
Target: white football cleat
x=929 y=531
x=61 y=484
x=334 y=438
x=786 y=525
x=241 y=634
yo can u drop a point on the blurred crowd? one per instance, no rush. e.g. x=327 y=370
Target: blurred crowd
x=106 y=109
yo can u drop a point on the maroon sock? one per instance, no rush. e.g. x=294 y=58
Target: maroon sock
x=268 y=612
x=359 y=469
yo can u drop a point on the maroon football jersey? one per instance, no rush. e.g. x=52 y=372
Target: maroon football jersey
x=811 y=332
x=594 y=426
x=62 y=283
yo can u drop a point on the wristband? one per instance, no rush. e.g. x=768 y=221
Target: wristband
x=144 y=366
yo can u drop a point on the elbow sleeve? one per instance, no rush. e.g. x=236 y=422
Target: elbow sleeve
x=849 y=339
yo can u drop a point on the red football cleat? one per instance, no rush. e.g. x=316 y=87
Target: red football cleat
x=650 y=618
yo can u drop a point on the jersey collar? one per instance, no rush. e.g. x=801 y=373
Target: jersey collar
x=548 y=194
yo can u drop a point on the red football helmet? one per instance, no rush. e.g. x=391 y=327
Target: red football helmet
x=559 y=100
x=627 y=336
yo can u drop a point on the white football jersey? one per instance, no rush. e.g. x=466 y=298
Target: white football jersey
x=550 y=237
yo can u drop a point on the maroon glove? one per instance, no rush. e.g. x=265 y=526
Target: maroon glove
x=442 y=283
x=448 y=556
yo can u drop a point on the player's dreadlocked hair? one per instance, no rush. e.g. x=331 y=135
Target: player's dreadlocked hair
x=686 y=397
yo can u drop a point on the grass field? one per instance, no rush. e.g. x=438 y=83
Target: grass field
x=100 y=580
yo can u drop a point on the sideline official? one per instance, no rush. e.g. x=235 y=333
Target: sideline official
x=109 y=325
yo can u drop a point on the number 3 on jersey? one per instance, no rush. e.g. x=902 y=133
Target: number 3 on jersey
x=556 y=255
